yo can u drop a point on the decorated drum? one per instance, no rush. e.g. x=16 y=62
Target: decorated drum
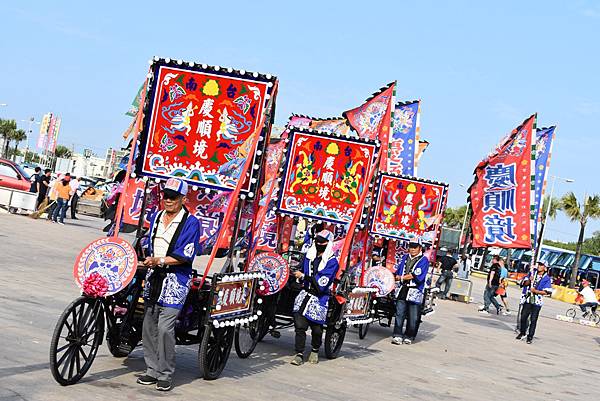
x=275 y=269
x=380 y=278
x=112 y=259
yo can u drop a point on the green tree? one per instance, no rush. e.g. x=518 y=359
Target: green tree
x=554 y=208
x=18 y=136
x=62 y=152
x=7 y=127
x=454 y=216
x=581 y=214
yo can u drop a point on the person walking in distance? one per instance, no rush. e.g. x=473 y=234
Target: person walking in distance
x=35 y=180
x=464 y=267
x=503 y=286
x=75 y=189
x=63 y=194
x=492 y=283
x=43 y=187
x=535 y=285
x=447 y=265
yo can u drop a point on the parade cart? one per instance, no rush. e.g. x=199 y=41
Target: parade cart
x=322 y=180
x=404 y=209
x=207 y=125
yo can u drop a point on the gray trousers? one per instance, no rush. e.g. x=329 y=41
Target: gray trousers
x=158 y=339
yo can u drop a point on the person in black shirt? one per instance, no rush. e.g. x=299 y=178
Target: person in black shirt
x=492 y=284
x=448 y=264
x=43 y=185
x=35 y=180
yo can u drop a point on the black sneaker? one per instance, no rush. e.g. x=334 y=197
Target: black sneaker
x=529 y=340
x=164 y=385
x=146 y=380
x=519 y=336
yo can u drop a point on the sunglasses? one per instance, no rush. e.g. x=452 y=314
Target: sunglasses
x=171 y=196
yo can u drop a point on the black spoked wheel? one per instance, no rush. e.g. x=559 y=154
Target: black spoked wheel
x=363 y=329
x=214 y=351
x=76 y=339
x=594 y=317
x=334 y=338
x=571 y=313
x=246 y=338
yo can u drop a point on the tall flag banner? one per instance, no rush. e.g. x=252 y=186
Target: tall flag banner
x=325 y=176
x=403 y=141
x=332 y=125
x=200 y=122
x=423 y=145
x=135 y=104
x=408 y=208
x=55 y=132
x=45 y=125
x=502 y=194
x=544 y=138
x=373 y=119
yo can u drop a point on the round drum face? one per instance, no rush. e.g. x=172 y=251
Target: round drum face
x=275 y=269
x=380 y=278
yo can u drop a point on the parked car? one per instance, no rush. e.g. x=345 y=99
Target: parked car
x=13 y=176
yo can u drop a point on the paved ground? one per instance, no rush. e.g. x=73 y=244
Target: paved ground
x=460 y=354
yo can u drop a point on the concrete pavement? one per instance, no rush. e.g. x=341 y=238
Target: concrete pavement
x=459 y=355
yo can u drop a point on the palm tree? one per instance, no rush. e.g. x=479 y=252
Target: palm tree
x=7 y=127
x=62 y=152
x=18 y=135
x=591 y=210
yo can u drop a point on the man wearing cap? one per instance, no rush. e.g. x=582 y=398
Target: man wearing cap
x=410 y=279
x=174 y=235
x=589 y=298
x=447 y=265
x=535 y=285
x=319 y=269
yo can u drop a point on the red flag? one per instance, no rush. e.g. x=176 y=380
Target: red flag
x=372 y=120
x=501 y=195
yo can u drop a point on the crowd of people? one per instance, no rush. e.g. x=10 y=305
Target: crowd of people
x=56 y=195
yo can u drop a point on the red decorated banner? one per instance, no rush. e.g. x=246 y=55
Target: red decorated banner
x=502 y=193
x=408 y=208
x=133 y=199
x=332 y=125
x=372 y=120
x=325 y=176
x=199 y=123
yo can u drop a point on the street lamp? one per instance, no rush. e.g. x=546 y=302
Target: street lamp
x=462 y=228
x=543 y=226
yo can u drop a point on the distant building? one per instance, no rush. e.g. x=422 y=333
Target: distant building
x=91 y=166
x=113 y=161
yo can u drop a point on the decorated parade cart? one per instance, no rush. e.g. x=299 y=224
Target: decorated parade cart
x=209 y=126
x=404 y=209
x=323 y=179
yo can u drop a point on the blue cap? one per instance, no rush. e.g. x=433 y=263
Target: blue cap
x=177 y=185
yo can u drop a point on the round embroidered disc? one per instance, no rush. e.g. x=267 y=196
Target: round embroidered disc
x=275 y=269
x=112 y=258
x=380 y=278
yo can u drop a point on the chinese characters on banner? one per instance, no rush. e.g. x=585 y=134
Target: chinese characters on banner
x=232 y=298
x=209 y=209
x=543 y=152
x=408 y=208
x=199 y=124
x=403 y=141
x=132 y=202
x=501 y=196
x=325 y=176
x=372 y=120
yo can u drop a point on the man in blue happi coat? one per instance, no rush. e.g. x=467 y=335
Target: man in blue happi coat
x=411 y=274
x=174 y=235
x=535 y=285
x=319 y=269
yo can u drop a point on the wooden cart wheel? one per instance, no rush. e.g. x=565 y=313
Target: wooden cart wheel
x=246 y=337
x=334 y=338
x=214 y=351
x=363 y=329
x=76 y=339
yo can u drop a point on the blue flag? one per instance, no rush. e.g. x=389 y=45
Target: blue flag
x=543 y=150
x=403 y=143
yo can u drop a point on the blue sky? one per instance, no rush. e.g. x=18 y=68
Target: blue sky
x=480 y=68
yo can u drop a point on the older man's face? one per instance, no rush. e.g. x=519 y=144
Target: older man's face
x=414 y=250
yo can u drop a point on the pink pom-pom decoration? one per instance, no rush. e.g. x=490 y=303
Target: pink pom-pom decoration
x=95 y=285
